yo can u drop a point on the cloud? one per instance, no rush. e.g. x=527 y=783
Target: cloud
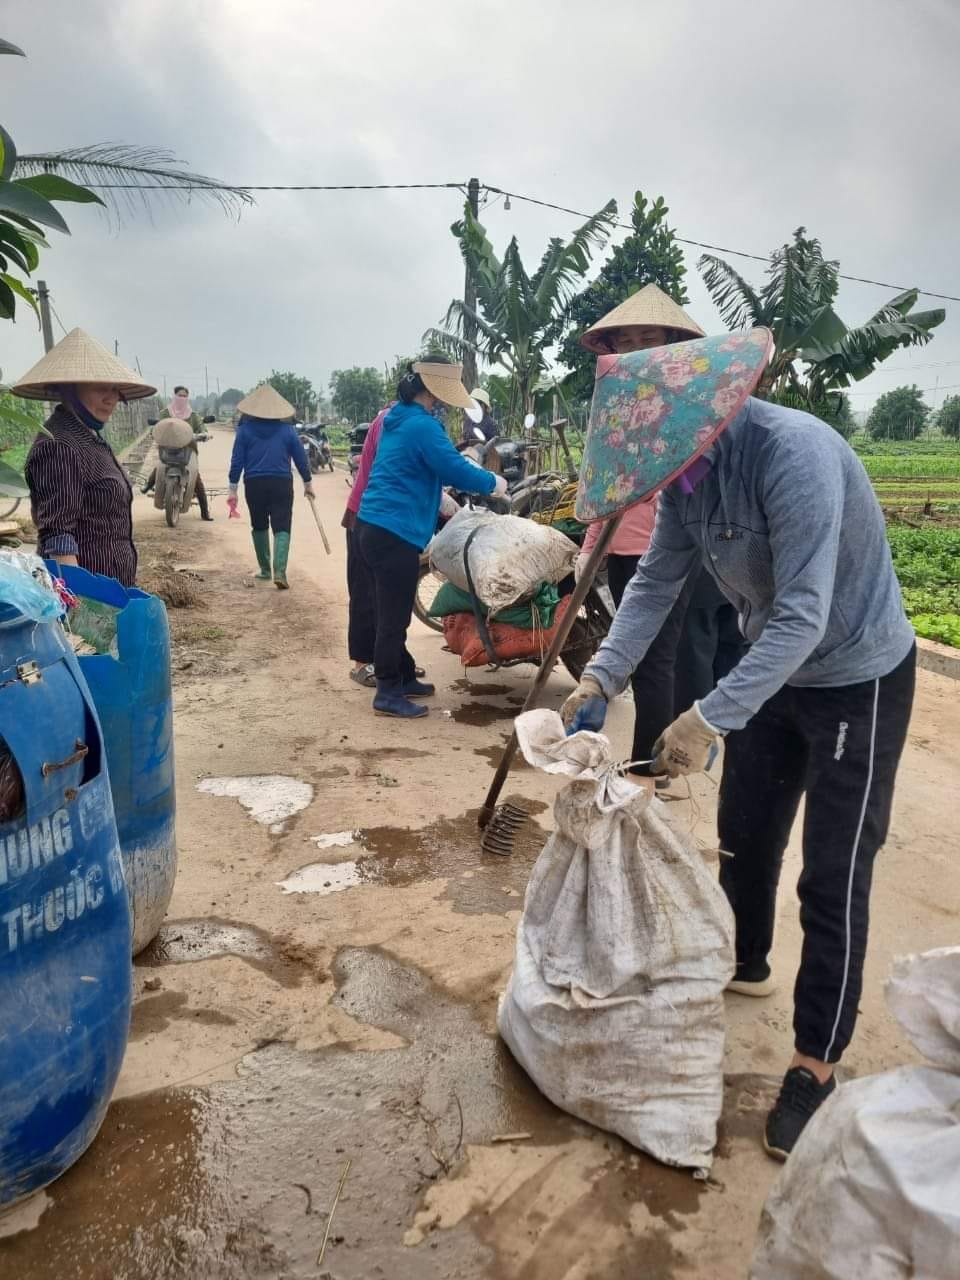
x=750 y=121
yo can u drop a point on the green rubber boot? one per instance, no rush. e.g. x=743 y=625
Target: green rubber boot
x=261 y=542
x=281 y=549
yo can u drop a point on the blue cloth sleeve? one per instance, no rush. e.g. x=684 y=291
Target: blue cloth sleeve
x=239 y=455
x=453 y=468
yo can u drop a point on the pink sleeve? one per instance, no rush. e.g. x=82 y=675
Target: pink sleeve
x=370 y=445
x=594 y=529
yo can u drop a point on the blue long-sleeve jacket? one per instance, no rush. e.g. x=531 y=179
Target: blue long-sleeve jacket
x=415 y=459
x=789 y=528
x=266 y=447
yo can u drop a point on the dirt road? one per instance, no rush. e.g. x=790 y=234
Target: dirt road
x=280 y=1037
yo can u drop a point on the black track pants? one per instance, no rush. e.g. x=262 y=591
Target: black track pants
x=841 y=747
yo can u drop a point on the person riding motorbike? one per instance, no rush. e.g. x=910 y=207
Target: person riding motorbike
x=180 y=407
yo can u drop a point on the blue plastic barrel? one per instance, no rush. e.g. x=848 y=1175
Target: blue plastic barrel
x=65 y=972
x=135 y=704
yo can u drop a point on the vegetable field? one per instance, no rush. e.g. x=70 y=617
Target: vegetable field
x=918 y=485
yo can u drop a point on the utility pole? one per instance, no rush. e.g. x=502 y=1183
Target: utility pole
x=470 y=297
x=206 y=382
x=43 y=298
x=116 y=346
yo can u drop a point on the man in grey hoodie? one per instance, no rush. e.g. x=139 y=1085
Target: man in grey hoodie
x=782 y=514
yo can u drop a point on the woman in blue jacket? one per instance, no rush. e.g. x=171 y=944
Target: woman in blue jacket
x=263 y=450
x=398 y=515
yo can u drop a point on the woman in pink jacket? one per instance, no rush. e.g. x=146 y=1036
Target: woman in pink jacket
x=649 y=318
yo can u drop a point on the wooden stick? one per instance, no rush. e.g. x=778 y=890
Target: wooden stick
x=333 y=1210
x=319 y=525
x=550 y=661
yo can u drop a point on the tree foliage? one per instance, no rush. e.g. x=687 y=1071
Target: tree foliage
x=649 y=255
x=357 y=394
x=518 y=314
x=948 y=419
x=295 y=388
x=796 y=303
x=899 y=414
x=232 y=396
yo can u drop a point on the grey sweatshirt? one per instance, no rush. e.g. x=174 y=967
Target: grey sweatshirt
x=787 y=524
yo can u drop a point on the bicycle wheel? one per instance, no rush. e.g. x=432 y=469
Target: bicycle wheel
x=591 y=625
x=428 y=584
x=8 y=511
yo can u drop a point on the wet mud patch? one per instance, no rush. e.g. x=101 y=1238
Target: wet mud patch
x=152 y=1013
x=234 y=1180
x=447 y=849
x=494 y=754
x=209 y=938
x=483 y=714
x=477 y=690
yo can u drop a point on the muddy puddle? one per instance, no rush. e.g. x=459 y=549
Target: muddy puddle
x=236 y=1179
x=483 y=714
x=447 y=849
x=208 y=938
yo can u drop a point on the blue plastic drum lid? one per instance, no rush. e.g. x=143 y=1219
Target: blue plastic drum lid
x=65 y=973
x=134 y=701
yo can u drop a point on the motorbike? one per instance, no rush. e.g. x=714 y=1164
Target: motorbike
x=317 y=447
x=178 y=466
x=357 y=437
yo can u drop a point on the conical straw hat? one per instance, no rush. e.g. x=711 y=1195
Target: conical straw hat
x=79 y=359
x=444 y=382
x=266 y=402
x=648 y=306
x=655 y=411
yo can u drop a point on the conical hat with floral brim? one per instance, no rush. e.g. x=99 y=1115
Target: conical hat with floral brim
x=266 y=402
x=656 y=411
x=79 y=360
x=649 y=307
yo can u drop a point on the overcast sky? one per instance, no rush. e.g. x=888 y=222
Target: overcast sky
x=749 y=118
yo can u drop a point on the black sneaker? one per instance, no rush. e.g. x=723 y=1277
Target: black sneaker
x=800 y=1095
x=753 y=980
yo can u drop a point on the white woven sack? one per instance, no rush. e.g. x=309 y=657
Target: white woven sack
x=615 y=1003
x=509 y=557
x=872 y=1188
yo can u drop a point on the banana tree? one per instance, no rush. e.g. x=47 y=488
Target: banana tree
x=517 y=314
x=796 y=303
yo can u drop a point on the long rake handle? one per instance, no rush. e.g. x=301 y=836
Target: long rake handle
x=550 y=661
x=316 y=517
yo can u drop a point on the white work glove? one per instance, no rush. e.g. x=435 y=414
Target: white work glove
x=448 y=506
x=500 y=488
x=580 y=564
x=232 y=491
x=586 y=708
x=689 y=745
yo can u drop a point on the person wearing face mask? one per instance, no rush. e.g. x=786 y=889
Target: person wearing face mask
x=180 y=407
x=649 y=318
x=397 y=516
x=80 y=495
x=780 y=511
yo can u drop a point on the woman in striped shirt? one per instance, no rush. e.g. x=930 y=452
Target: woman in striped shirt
x=79 y=493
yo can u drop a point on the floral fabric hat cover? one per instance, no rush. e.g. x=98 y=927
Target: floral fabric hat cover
x=655 y=411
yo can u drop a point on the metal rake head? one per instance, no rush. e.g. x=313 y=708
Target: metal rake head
x=498 y=834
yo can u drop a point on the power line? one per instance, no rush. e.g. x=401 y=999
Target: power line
x=511 y=195
x=57 y=317
x=717 y=248
x=951 y=387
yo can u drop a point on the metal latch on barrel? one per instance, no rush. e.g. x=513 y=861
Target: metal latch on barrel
x=29 y=672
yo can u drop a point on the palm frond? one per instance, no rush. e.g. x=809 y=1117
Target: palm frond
x=738 y=302
x=129 y=178
x=568 y=266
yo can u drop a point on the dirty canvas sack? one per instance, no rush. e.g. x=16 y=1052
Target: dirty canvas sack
x=615 y=1003
x=872 y=1188
x=509 y=557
